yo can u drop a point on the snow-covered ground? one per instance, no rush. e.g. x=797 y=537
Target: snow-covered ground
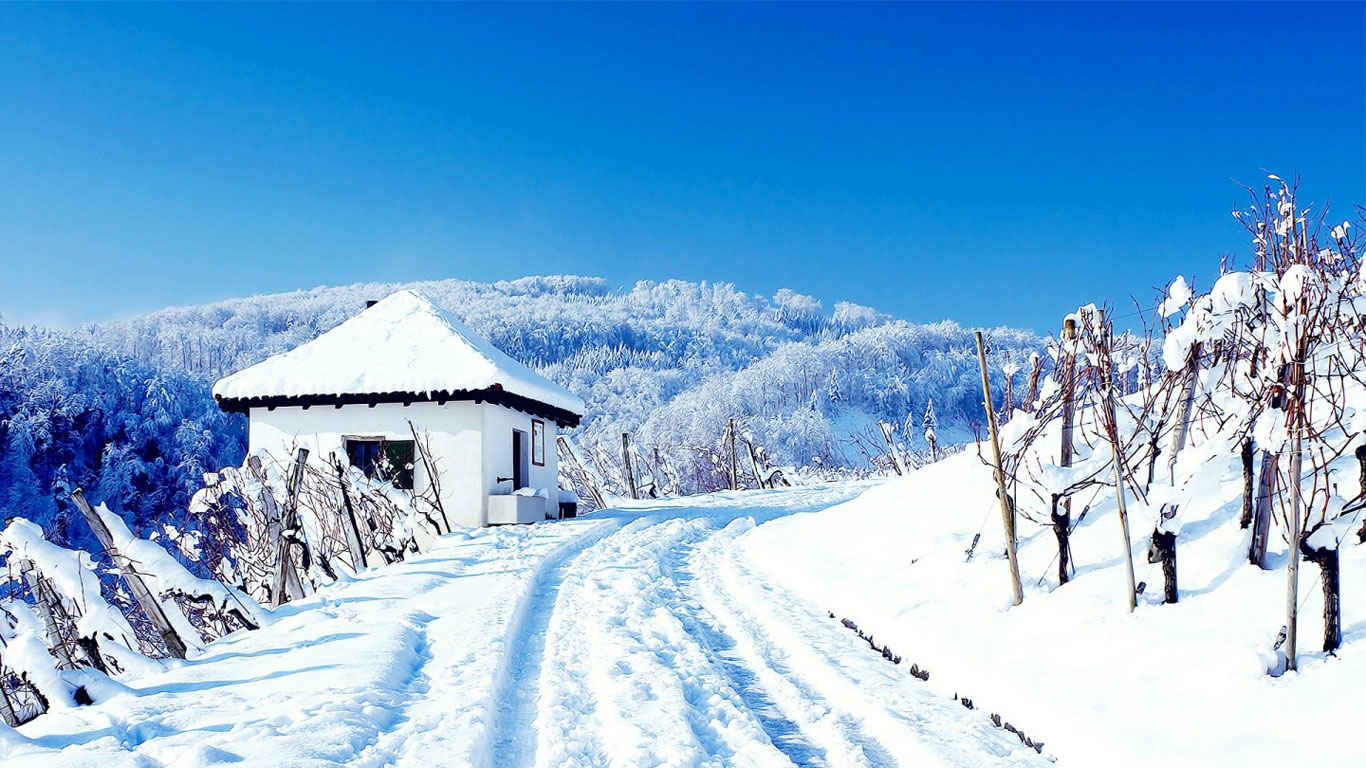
x=1182 y=684
x=641 y=636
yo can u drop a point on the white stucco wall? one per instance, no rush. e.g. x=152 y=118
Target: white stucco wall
x=471 y=444
x=498 y=423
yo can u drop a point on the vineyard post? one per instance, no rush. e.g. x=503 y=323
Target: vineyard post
x=151 y=606
x=1007 y=514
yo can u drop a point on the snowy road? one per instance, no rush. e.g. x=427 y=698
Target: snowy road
x=636 y=637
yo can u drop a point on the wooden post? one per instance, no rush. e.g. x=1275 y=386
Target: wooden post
x=294 y=589
x=734 y=471
x=8 y=715
x=1261 y=516
x=1035 y=370
x=1249 y=483
x=289 y=521
x=567 y=450
x=431 y=475
x=1292 y=569
x=754 y=462
x=1067 y=360
x=891 y=447
x=1186 y=404
x=353 y=539
x=626 y=465
x=1118 y=460
x=1007 y=514
x=1069 y=392
x=151 y=606
x=42 y=600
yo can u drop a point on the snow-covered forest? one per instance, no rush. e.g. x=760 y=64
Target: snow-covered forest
x=123 y=408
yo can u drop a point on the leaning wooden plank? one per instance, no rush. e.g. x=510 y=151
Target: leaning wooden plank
x=289 y=522
x=156 y=612
x=43 y=601
x=567 y=451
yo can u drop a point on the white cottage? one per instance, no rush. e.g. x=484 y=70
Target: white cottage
x=490 y=421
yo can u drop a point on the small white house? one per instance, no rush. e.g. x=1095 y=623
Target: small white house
x=489 y=421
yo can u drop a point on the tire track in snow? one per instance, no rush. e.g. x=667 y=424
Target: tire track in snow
x=658 y=695
x=916 y=724
x=512 y=736
x=797 y=719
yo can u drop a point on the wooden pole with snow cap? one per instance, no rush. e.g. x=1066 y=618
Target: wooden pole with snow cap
x=1007 y=514
x=151 y=606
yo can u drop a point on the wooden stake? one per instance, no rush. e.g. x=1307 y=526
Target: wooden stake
x=1187 y=403
x=1007 y=514
x=567 y=451
x=1261 y=516
x=1118 y=461
x=42 y=600
x=891 y=447
x=7 y=713
x=734 y=472
x=1292 y=570
x=353 y=539
x=289 y=520
x=754 y=462
x=294 y=589
x=1068 y=360
x=1036 y=369
x=151 y=606
x=626 y=465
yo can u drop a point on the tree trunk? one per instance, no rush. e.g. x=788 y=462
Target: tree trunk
x=1327 y=561
x=1248 y=491
x=1361 y=497
x=1062 y=528
x=1163 y=550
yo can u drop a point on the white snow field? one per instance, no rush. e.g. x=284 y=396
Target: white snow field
x=1170 y=685
x=635 y=637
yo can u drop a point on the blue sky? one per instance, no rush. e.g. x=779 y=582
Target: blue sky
x=990 y=164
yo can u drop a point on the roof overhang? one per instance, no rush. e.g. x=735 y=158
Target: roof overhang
x=495 y=394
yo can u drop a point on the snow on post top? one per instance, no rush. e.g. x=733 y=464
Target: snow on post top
x=402 y=344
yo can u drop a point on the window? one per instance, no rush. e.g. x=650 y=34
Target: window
x=390 y=460
x=538 y=442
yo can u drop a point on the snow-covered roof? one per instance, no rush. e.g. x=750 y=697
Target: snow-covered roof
x=402 y=348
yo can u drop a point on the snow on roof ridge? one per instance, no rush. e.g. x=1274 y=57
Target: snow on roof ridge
x=403 y=343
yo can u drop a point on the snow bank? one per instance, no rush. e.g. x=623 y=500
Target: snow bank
x=1182 y=684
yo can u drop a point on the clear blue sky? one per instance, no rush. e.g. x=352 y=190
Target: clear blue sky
x=992 y=164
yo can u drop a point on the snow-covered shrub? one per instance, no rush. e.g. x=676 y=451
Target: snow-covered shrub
x=245 y=507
